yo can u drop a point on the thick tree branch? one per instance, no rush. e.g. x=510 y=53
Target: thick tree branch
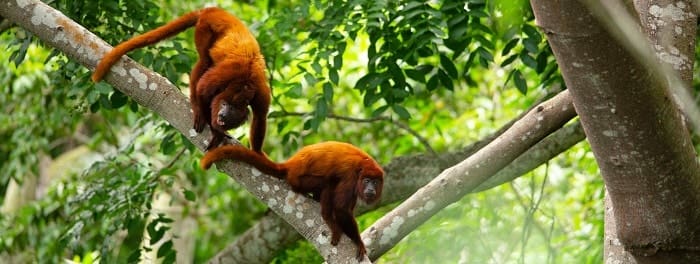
x=154 y=92
x=635 y=130
x=453 y=183
x=677 y=69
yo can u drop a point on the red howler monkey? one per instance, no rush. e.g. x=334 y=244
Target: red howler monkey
x=334 y=173
x=229 y=60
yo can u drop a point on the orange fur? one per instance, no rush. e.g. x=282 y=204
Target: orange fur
x=229 y=60
x=333 y=173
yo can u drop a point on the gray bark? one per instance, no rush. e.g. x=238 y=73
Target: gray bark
x=635 y=130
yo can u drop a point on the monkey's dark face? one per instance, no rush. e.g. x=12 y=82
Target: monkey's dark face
x=370 y=181
x=230 y=117
x=371 y=189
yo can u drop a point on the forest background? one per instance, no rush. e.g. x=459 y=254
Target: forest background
x=91 y=172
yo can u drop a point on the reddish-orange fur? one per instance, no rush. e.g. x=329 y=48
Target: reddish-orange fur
x=333 y=173
x=229 y=60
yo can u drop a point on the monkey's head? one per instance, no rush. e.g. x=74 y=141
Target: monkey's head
x=371 y=181
x=228 y=116
x=229 y=109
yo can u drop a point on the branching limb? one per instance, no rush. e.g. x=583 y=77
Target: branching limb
x=454 y=182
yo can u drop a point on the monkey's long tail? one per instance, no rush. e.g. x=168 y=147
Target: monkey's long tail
x=237 y=152
x=151 y=37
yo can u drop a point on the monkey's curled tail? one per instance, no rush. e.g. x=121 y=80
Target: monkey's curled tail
x=240 y=153
x=151 y=37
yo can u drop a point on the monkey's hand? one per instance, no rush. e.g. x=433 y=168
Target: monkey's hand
x=199 y=122
x=335 y=238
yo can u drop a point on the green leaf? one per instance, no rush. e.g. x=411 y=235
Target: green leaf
x=399 y=92
x=363 y=82
x=412 y=5
x=401 y=111
x=550 y=69
x=380 y=110
x=531 y=45
x=338 y=60
x=134 y=107
x=103 y=88
x=321 y=108
x=155 y=233
x=189 y=195
x=163 y=219
x=445 y=80
x=19 y=55
x=532 y=33
x=433 y=83
x=415 y=75
x=94 y=107
x=477 y=13
x=165 y=248
x=520 y=82
x=485 y=54
x=118 y=99
x=541 y=62
x=449 y=66
x=370 y=98
x=333 y=76
x=397 y=74
x=424 y=68
x=317 y=67
x=167 y=145
x=328 y=92
x=134 y=256
x=310 y=79
x=528 y=60
x=509 y=46
x=295 y=91
x=509 y=60
x=170 y=257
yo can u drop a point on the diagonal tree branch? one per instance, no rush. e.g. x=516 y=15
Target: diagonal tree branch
x=154 y=92
x=454 y=182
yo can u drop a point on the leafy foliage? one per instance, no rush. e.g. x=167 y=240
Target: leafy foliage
x=367 y=72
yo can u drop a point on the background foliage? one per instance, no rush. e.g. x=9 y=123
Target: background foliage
x=374 y=73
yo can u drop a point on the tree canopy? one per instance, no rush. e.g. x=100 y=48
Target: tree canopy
x=456 y=99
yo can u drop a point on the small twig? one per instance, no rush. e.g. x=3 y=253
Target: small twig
x=401 y=125
x=173 y=193
x=172 y=162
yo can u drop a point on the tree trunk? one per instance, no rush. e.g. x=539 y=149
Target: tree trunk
x=636 y=133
